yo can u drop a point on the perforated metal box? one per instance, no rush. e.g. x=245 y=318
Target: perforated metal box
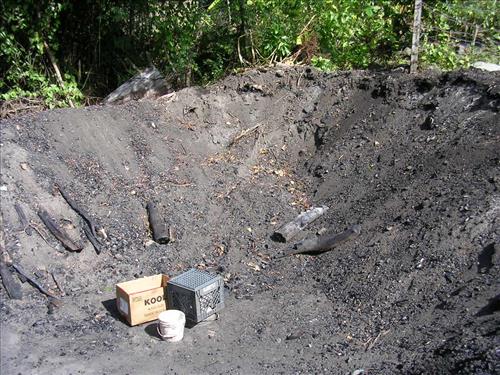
x=196 y=293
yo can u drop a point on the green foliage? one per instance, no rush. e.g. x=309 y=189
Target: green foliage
x=458 y=32
x=99 y=44
x=322 y=63
x=24 y=65
x=276 y=26
x=359 y=34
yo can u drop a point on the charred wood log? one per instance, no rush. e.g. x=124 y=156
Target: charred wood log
x=79 y=210
x=93 y=240
x=58 y=232
x=32 y=281
x=320 y=245
x=22 y=218
x=12 y=287
x=91 y=231
x=159 y=227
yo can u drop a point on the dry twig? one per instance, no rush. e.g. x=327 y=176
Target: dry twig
x=244 y=133
x=373 y=340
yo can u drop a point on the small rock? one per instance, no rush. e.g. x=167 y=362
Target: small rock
x=420 y=263
x=294 y=336
x=429 y=123
x=149 y=243
x=489 y=67
x=280 y=73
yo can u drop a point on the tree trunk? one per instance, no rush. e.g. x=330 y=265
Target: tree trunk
x=415 y=43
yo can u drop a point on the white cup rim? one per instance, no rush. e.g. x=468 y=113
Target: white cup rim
x=172 y=316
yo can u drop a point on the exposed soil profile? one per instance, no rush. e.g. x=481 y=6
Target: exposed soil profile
x=413 y=160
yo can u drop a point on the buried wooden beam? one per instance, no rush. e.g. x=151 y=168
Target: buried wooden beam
x=93 y=240
x=58 y=232
x=79 y=211
x=319 y=245
x=32 y=281
x=159 y=227
x=22 y=218
x=291 y=229
x=12 y=287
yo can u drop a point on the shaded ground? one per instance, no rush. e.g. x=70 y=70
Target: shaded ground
x=414 y=160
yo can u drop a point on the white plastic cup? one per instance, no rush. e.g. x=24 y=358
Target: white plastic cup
x=171 y=325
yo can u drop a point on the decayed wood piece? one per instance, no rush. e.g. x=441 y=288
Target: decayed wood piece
x=291 y=229
x=319 y=245
x=32 y=281
x=158 y=226
x=22 y=218
x=78 y=210
x=92 y=233
x=58 y=284
x=93 y=240
x=12 y=287
x=58 y=232
x=148 y=83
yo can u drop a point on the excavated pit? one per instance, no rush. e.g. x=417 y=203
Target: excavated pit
x=413 y=159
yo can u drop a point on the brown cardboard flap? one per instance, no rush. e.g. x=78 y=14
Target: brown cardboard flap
x=141 y=285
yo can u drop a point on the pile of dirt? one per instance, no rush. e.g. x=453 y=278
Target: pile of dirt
x=414 y=160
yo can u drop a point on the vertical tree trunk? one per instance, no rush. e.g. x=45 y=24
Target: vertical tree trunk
x=56 y=69
x=415 y=43
x=242 y=29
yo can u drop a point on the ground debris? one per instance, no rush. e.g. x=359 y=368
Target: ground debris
x=58 y=232
x=341 y=139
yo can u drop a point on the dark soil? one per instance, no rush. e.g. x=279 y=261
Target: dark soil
x=413 y=159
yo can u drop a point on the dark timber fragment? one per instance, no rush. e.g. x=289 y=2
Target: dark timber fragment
x=12 y=287
x=58 y=232
x=158 y=226
x=22 y=218
x=78 y=210
x=319 y=245
x=32 y=281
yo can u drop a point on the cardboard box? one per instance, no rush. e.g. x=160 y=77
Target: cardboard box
x=142 y=300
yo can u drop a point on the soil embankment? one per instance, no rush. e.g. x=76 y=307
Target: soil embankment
x=414 y=160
